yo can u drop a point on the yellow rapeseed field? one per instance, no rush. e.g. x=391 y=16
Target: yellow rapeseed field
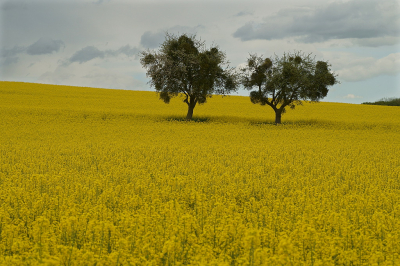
x=109 y=177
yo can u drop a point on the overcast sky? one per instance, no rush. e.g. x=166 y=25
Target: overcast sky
x=95 y=43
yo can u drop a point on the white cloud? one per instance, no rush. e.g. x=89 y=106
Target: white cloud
x=154 y=39
x=91 y=76
x=351 y=67
x=351 y=96
x=377 y=42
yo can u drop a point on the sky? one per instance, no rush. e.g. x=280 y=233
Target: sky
x=95 y=43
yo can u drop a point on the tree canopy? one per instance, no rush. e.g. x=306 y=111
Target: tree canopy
x=183 y=65
x=286 y=81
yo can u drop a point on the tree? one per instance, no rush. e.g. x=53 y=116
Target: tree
x=286 y=82
x=184 y=66
x=386 y=101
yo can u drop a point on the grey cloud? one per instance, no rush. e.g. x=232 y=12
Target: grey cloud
x=246 y=32
x=90 y=52
x=13 y=5
x=357 y=19
x=243 y=13
x=127 y=50
x=13 y=51
x=44 y=46
x=10 y=60
x=86 y=54
x=10 y=55
x=154 y=39
x=99 y=2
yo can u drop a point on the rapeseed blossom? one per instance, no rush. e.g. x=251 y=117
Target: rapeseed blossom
x=109 y=177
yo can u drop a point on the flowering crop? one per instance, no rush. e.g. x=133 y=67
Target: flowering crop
x=109 y=177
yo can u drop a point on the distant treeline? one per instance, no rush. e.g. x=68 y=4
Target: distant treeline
x=386 y=101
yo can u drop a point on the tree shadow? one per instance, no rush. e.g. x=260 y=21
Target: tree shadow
x=183 y=119
x=301 y=123
x=262 y=123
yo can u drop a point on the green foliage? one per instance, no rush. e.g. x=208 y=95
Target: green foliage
x=386 y=101
x=184 y=65
x=286 y=81
x=255 y=73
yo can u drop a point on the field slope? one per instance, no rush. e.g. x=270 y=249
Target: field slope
x=109 y=177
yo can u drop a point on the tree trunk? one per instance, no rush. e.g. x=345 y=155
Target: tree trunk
x=190 y=112
x=278 y=116
x=191 y=104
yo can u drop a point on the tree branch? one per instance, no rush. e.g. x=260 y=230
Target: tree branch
x=186 y=99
